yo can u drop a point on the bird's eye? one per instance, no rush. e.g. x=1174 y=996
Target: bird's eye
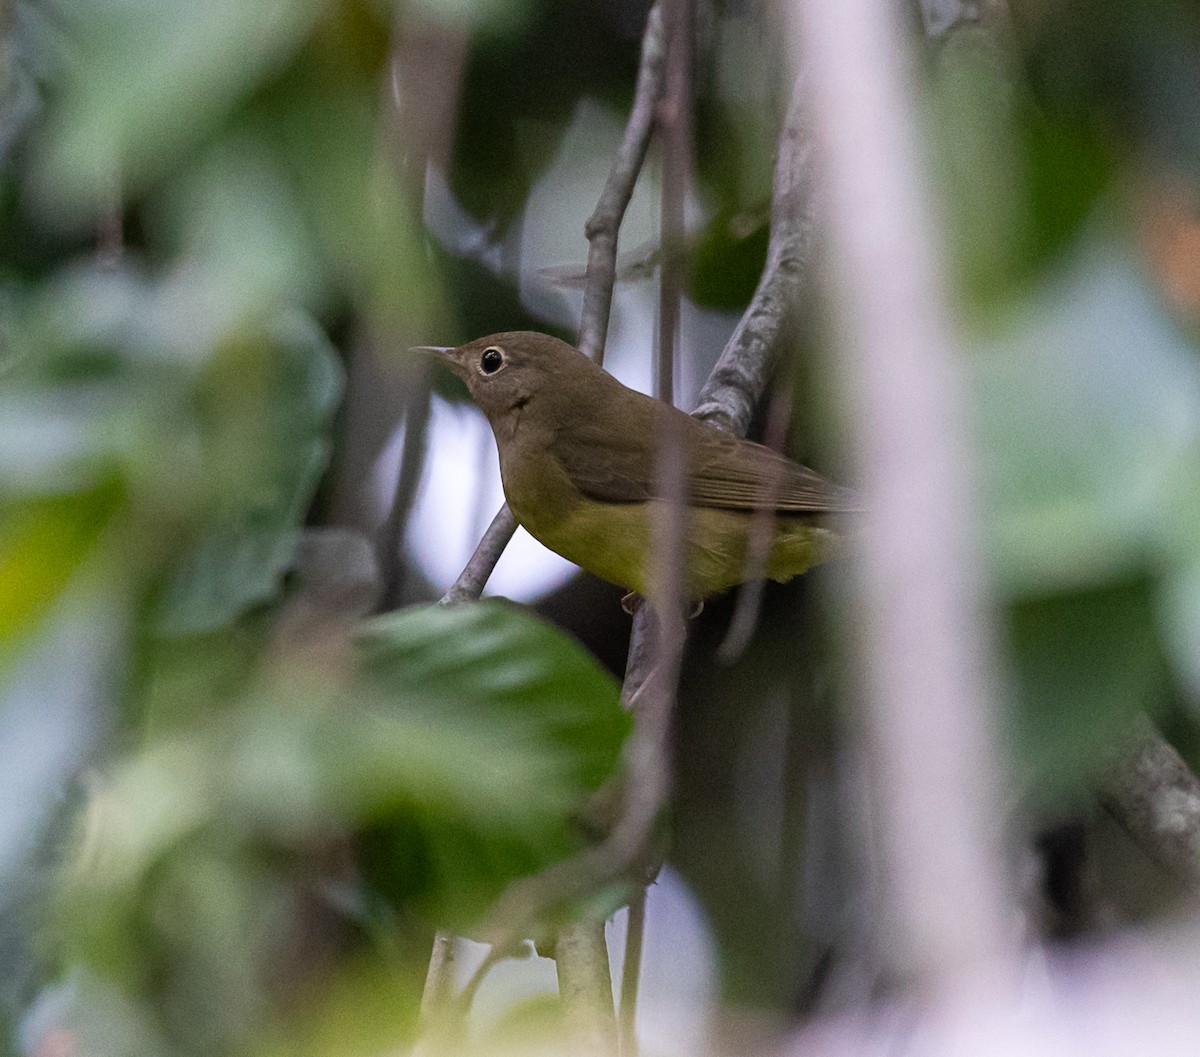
x=491 y=361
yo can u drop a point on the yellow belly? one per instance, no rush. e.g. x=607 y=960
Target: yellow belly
x=614 y=541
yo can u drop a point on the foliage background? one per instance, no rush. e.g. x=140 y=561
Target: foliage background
x=233 y=811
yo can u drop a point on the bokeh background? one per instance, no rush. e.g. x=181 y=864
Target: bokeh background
x=246 y=769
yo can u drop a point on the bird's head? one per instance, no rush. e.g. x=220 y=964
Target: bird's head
x=504 y=372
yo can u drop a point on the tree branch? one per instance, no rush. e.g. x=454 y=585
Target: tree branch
x=675 y=133
x=437 y=980
x=585 y=989
x=740 y=376
x=394 y=529
x=631 y=971
x=1155 y=796
x=471 y=581
x=605 y=223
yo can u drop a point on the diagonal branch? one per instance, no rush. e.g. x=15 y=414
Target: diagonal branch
x=740 y=376
x=1155 y=796
x=471 y=581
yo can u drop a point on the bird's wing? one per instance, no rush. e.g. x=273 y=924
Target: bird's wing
x=723 y=472
x=622 y=474
x=741 y=475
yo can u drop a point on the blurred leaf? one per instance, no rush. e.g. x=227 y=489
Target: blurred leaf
x=1085 y=663
x=1126 y=68
x=472 y=739
x=1088 y=411
x=19 y=97
x=327 y=137
x=520 y=91
x=88 y=1015
x=364 y=1011
x=1067 y=166
x=741 y=85
x=265 y=406
x=497 y=653
x=1019 y=180
x=242 y=250
x=538 y=693
x=143 y=80
x=727 y=260
x=42 y=542
x=484 y=303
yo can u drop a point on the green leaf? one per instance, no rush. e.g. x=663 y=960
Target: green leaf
x=1084 y=664
x=264 y=408
x=43 y=541
x=1088 y=415
x=142 y=81
x=508 y=662
x=326 y=137
x=548 y=726
x=462 y=756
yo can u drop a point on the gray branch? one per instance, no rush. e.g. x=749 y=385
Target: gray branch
x=471 y=581
x=740 y=376
x=585 y=989
x=605 y=223
x=1154 y=795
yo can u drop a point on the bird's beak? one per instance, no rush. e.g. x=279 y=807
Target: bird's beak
x=439 y=354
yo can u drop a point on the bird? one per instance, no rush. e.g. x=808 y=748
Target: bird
x=578 y=456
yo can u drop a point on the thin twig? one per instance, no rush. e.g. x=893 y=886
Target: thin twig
x=675 y=130
x=394 y=529
x=419 y=94
x=605 y=223
x=923 y=631
x=110 y=235
x=442 y=1025
x=631 y=972
x=471 y=581
x=439 y=977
